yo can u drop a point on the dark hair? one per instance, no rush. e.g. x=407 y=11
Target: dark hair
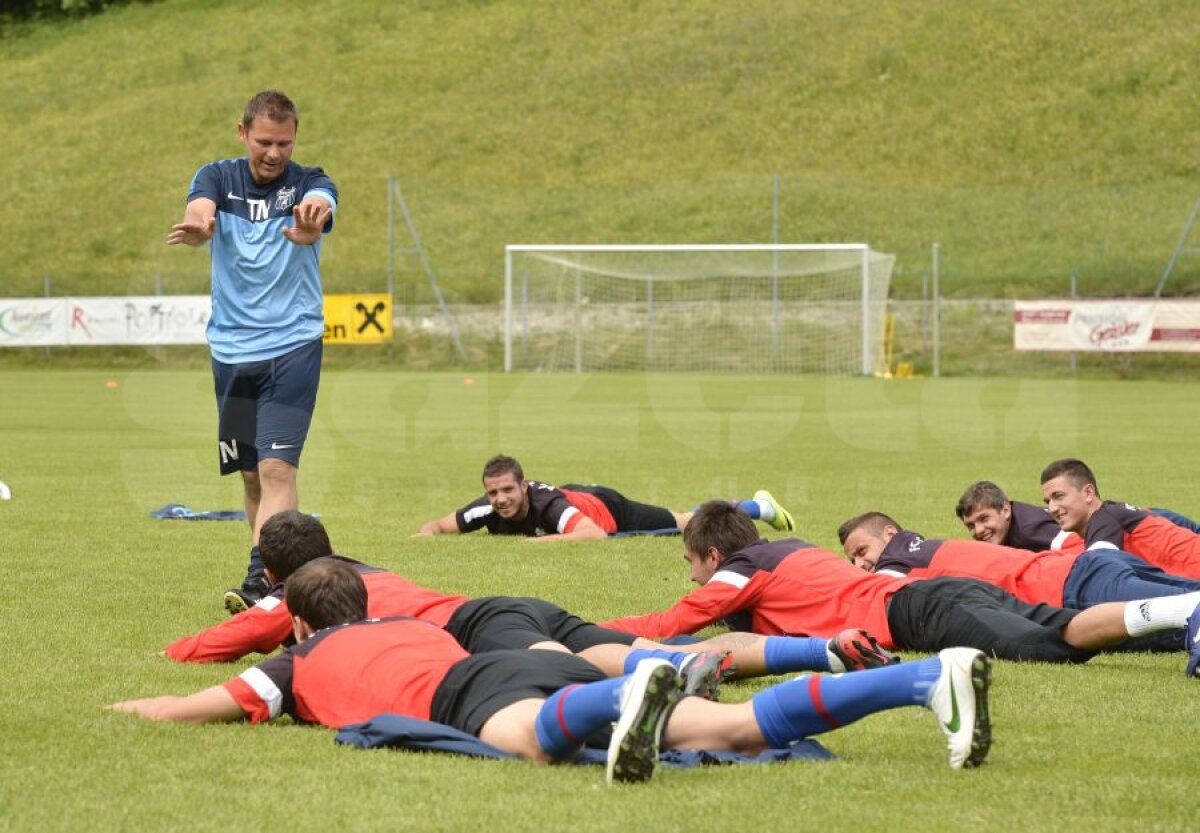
x=288 y=540
x=1076 y=471
x=326 y=592
x=873 y=521
x=719 y=525
x=982 y=493
x=501 y=464
x=272 y=104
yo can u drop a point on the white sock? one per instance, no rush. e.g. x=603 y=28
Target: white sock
x=1160 y=613
x=766 y=512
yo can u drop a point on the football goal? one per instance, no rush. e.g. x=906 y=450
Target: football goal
x=764 y=308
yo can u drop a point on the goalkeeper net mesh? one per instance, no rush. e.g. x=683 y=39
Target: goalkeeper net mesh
x=795 y=308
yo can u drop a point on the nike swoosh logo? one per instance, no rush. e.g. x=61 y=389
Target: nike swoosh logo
x=233 y=196
x=954 y=719
x=277 y=446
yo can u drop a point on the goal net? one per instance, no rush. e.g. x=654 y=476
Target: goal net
x=796 y=308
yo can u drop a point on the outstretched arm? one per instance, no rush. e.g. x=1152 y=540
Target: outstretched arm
x=700 y=608
x=441 y=526
x=585 y=529
x=308 y=221
x=212 y=705
x=199 y=223
x=261 y=629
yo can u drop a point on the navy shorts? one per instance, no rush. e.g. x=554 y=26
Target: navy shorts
x=264 y=408
x=938 y=613
x=630 y=515
x=498 y=623
x=479 y=686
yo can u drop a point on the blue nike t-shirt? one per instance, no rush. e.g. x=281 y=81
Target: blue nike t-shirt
x=266 y=290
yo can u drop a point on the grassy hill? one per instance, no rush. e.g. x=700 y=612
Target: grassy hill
x=1032 y=140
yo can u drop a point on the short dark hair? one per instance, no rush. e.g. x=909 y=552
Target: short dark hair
x=1076 y=471
x=719 y=525
x=873 y=521
x=326 y=592
x=502 y=464
x=981 y=493
x=272 y=104
x=288 y=540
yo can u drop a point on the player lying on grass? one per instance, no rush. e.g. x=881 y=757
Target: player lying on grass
x=543 y=705
x=512 y=505
x=990 y=516
x=289 y=540
x=791 y=586
x=1073 y=499
x=877 y=543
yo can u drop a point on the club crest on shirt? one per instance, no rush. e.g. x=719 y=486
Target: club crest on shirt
x=915 y=543
x=285 y=198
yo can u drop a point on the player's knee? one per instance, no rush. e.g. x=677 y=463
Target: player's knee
x=252 y=484
x=275 y=472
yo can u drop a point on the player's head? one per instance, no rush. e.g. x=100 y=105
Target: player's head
x=864 y=536
x=716 y=531
x=503 y=464
x=268 y=130
x=504 y=484
x=985 y=511
x=325 y=592
x=289 y=540
x=1071 y=494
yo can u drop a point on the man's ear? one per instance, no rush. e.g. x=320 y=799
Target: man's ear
x=301 y=629
x=714 y=555
x=890 y=532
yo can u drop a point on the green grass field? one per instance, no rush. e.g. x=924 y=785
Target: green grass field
x=1032 y=140
x=93 y=589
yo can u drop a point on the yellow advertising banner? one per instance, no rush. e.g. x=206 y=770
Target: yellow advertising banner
x=358 y=319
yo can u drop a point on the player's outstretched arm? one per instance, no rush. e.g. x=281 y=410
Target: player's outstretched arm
x=699 y=609
x=199 y=223
x=308 y=221
x=585 y=529
x=212 y=705
x=441 y=526
x=261 y=629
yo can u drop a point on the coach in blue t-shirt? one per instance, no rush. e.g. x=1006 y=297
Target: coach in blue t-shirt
x=265 y=216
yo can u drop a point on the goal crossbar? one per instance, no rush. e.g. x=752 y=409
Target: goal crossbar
x=658 y=270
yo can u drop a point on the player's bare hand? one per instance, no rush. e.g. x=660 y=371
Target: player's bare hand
x=192 y=234
x=309 y=218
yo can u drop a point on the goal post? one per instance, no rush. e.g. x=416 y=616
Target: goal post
x=769 y=308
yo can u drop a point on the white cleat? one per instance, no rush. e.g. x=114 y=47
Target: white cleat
x=651 y=691
x=959 y=701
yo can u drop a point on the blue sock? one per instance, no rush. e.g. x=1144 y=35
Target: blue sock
x=750 y=507
x=639 y=654
x=256 y=562
x=795 y=653
x=811 y=705
x=573 y=713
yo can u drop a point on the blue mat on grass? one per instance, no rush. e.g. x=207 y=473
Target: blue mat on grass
x=393 y=731
x=179 y=512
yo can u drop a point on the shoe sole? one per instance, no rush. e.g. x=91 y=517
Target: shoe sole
x=234 y=603
x=981 y=732
x=706 y=684
x=633 y=751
